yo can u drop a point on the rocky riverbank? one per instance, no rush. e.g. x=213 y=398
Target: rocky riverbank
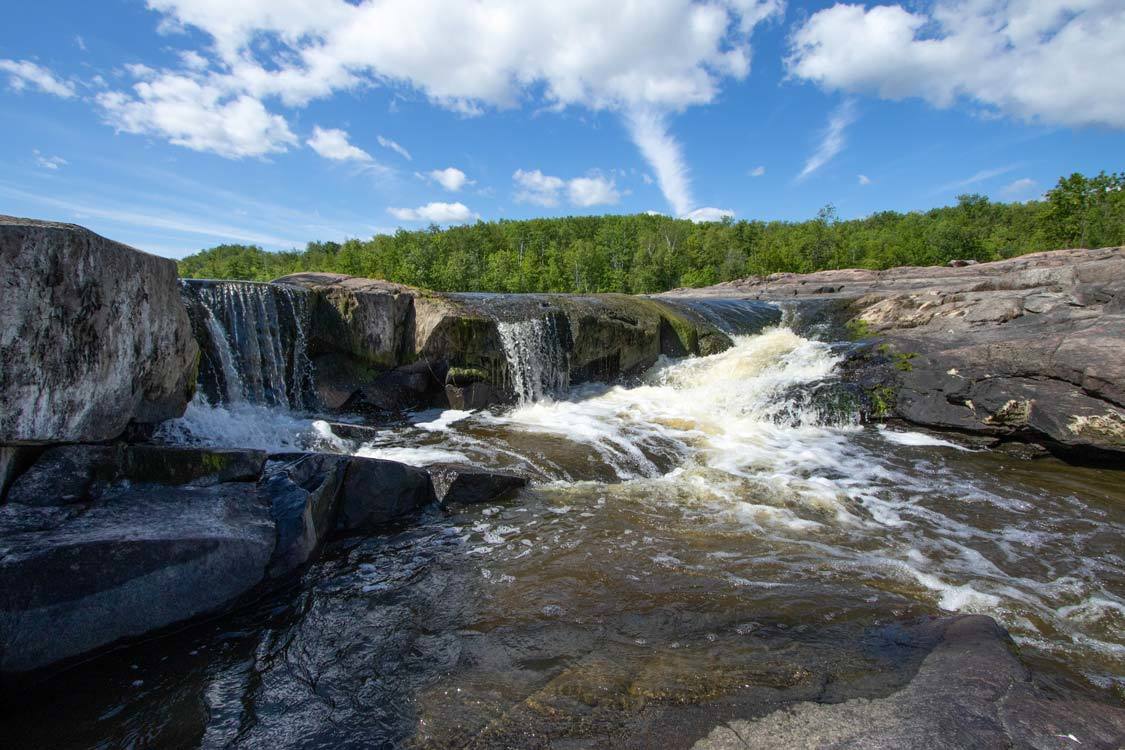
x=111 y=533
x=1029 y=349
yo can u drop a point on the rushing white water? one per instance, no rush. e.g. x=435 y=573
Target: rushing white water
x=730 y=449
x=537 y=365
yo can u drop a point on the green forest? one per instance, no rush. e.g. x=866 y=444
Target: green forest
x=650 y=253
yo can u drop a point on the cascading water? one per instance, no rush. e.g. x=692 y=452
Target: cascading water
x=732 y=316
x=537 y=364
x=254 y=339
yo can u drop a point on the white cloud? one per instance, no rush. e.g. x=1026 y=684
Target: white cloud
x=701 y=215
x=332 y=143
x=1017 y=188
x=49 y=162
x=393 y=146
x=832 y=141
x=757 y=171
x=863 y=179
x=644 y=61
x=1060 y=62
x=24 y=73
x=592 y=191
x=536 y=187
x=437 y=213
x=663 y=152
x=545 y=190
x=191 y=112
x=80 y=42
x=450 y=178
x=982 y=176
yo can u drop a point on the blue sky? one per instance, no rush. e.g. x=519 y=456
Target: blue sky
x=175 y=125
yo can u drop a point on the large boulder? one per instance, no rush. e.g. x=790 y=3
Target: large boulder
x=93 y=336
x=466 y=485
x=73 y=579
x=376 y=492
x=303 y=489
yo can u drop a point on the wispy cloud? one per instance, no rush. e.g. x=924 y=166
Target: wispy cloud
x=394 y=146
x=1018 y=188
x=832 y=141
x=49 y=162
x=863 y=179
x=437 y=212
x=757 y=171
x=982 y=176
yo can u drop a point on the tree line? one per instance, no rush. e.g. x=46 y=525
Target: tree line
x=651 y=253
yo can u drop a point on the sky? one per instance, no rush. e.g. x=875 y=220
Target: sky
x=176 y=125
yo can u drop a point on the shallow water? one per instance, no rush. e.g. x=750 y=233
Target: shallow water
x=702 y=543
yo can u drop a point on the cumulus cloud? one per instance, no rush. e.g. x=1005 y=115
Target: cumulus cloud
x=437 y=213
x=535 y=187
x=644 y=61
x=199 y=115
x=592 y=191
x=332 y=143
x=23 y=74
x=393 y=146
x=701 y=215
x=1056 y=62
x=832 y=141
x=545 y=190
x=757 y=171
x=49 y=162
x=450 y=178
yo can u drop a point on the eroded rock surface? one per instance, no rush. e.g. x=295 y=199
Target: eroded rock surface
x=971 y=691
x=94 y=336
x=1032 y=347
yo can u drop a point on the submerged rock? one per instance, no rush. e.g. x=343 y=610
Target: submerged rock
x=971 y=691
x=139 y=558
x=95 y=336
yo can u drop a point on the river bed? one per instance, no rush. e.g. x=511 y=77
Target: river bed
x=713 y=540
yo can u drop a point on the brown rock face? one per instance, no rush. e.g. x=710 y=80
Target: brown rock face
x=93 y=336
x=1031 y=347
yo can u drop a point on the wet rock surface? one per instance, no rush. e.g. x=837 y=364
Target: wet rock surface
x=970 y=691
x=467 y=485
x=376 y=492
x=1027 y=348
x=95 y=336
x=139 y=558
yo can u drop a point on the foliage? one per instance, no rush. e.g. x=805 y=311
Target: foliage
x=647 y=253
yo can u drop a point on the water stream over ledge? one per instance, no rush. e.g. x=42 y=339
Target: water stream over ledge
x=702 y=538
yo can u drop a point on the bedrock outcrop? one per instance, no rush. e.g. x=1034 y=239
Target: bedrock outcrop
x=970 y=691
x=1029 y=348
x=385 y=345
x=93 y=336
x=100 y=543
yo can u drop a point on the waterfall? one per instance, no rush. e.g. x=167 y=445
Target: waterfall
x=254 y=342
x=538 y=366
x=736 y=317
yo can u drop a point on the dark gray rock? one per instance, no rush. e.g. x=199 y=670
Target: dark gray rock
x=67 y=474
x=303 y=491
x=471 y=396
x=74 y=579
x=14 y=460
x=376 y=492
x=971 y=691
x=466 y=485
x=95 y=336
x=80 y=473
